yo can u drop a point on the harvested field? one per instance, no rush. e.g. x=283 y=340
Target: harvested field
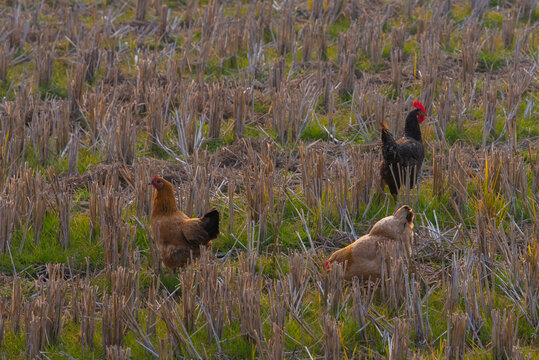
x=269 y=112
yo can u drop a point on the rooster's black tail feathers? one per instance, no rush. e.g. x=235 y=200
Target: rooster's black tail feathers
x=389 y=145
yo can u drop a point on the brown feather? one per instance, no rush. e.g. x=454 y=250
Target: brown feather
x=363 y=258
x=178 y=237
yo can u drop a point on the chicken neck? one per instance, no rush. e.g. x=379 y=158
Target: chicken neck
x=164 y=201
x=411 y=129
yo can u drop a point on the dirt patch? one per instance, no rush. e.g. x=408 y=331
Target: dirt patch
x=239 y=154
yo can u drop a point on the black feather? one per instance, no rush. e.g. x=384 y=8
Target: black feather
x=402 y=157
x=211 y=223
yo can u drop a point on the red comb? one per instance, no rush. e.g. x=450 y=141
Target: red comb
x=418 y=105
x=327 y=265
x=155 y=178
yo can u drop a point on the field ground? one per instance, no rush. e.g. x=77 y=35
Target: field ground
x=268 y=111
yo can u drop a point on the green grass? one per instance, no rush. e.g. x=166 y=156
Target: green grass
x=49 y=250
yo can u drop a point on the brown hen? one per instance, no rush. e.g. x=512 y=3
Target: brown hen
x=178 y=237
x=363 y=258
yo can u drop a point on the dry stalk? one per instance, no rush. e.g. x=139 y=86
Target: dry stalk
x=44 y=314
x=91 y=55
x=470 y=287
x=331 y=289
x=510 y=170
x=394 y=273
x=526 y=8
x=6 y=56
x=414 y=308
x=398 y=36
x=7 y=224
x=216 y=100
x=212 y=295
x=43 y=62
x=16 y=311
x=41 y=135
x=197 y=198
x=73 y=153
x=120 y=141
x=3 y=318
x=308 y=43
x=113 y=328
x=142 y=8
x=157 y=104
x=34 y=327
x=529 y=278
x=489 y=109
x=176 y=331
x=151 y=302
x=59 y=112
x=231 y=206
x=332 y=338
x=313 y=181
x=351 y=186
x=116 y=352
x=369 y=108
x=276 y=343
x=470 y=49
x=228 y=274
x=363 y=177
x=261 y=180
x=446 y=102
x=399 y=341
x=395 y=68
x=372 y=37
x=284 y=27
x=189 y=126
x=515 y=89
x=113 y=71
x=363 y=296
x=63 y=209
x=189 y=280
x=452 y=287
x=430 y=56
x=142 y=192
x=76 y=77
x=88 y=314
x=504 y=332
x=439 y=173
x=321 y=34
x=248 y=296
x=242 y=110
x=277 y=79
x=298 y=280
x=17 y=22
x=346 y=58
x=106 y=209
x=125 y=283
x=456 y=336
x=96 y=110
x=446 y=28
x=231 y=37
x=130 y=318
x=534 y=171
x=458 y=165
x=191 y=5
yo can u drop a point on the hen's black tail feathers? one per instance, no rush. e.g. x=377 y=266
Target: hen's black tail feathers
x=389 y=145
x=211 y=223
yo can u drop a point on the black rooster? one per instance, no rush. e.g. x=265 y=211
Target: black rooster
x=404 y=156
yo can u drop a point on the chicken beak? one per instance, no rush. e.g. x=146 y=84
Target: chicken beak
x=151 y=183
